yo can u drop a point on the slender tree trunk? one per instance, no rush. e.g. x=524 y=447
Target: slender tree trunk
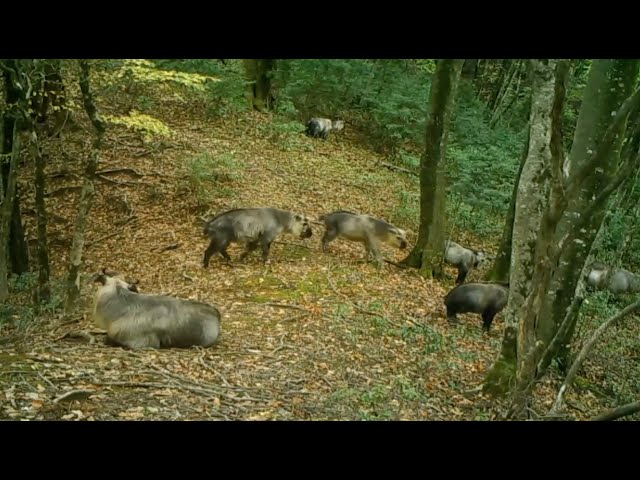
x=428 y=251
x=500 y=270
x=7 y=208
x=18 y=250
x=87 y=193
x=497 y=86
x=506 y=87
x=44 y=290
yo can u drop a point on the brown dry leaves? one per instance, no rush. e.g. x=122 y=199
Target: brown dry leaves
x=310 y=336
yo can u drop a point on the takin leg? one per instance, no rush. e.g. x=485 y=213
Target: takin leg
x=250 y=247
x=329 y=236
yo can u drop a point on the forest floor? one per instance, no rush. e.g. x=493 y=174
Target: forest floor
x=310 y=336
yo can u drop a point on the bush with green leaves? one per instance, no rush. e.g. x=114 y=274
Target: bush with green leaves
x=228 y=94
x=209 y=176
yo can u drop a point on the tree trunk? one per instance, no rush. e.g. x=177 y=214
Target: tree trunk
x=260 y=71
x=18 y=250
x=503 y=94
x=7 y=209
x=470 y=69
x=500 y=270
x=614 y=414
x=610 y=83
x=428 y=251
x=573 y=200
x=87 y=193
x=498 y=85
x=539 y=245
x=44 y=290
x=532 y=194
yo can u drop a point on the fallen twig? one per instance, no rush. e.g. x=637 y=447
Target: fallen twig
x=78 y=334
x=74 y=395
x=188 y=277
x=396 y=168
x=120 y=170
x=113 y=234
x=395 y=264
x=62 y=190
x=16 y=372
x=284 y=305
x=117 y=182
x=173 y=246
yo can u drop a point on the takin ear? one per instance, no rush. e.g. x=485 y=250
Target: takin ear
x=110 y=273
x=133 y=285
x=99 y=277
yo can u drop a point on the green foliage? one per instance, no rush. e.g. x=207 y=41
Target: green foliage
x=24 y=282
x=17 y=315
x=387 y=99
x=24 y=316
x=141 y=72
x=208 y=176
x=228 y=94
x=286 y=134
x=147 y=126
x=407 y=209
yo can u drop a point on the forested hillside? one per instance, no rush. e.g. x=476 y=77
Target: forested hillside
x=138 y=167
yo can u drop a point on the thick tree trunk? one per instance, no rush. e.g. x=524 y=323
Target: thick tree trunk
x=428 y=251
x=87 y=193
x=573 y=197
x=530 y=348
x=610 y=83
x=532 y=195
x=260 y=72
x=44 y=290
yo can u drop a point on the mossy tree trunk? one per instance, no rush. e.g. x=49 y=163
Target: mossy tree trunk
x=428 y=252
x=571 y=219
x=593 y=172
x=260 y=72
x=533 y=190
